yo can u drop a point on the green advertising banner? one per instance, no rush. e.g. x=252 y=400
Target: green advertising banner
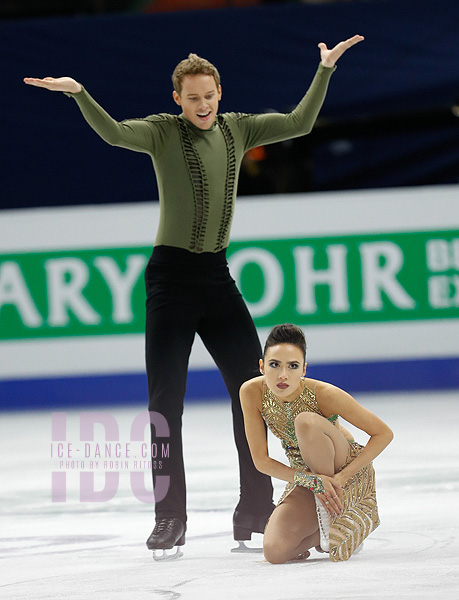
x=324 y=280
x=350 y=279
x=73 y=293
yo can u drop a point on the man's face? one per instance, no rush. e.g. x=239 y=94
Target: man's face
x=199 y=99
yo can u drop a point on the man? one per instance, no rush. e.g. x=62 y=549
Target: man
x=196 y=157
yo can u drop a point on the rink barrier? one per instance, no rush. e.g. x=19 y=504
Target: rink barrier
x=207 y=385
x=371 y=275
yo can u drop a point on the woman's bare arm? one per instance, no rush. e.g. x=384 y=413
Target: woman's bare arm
x=250 y=394
x=333 y=400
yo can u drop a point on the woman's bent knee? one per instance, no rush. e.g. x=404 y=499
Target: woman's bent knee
x=274 y=554
x=309 y=421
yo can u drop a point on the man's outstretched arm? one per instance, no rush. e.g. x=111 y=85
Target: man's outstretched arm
x=276 y=127
x=135 y=134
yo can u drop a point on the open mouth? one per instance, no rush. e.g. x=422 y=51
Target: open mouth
x=204 y=116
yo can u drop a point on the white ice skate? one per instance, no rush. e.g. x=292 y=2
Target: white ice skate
x=324 y=525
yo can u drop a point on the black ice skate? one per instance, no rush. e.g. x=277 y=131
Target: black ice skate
x=244 y=524
x=168 y=532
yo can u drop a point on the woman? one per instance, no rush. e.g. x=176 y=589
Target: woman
x=330 y=477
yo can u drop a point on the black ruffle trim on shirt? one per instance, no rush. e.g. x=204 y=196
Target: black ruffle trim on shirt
x=200 y=186
x=228 y=206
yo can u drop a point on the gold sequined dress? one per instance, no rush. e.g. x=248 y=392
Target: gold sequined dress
x=360 y=515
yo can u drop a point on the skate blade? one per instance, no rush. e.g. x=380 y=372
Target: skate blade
x=358 y=549
x=243 y=549
x=164 y=556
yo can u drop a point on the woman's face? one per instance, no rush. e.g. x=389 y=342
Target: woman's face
x=283 y=368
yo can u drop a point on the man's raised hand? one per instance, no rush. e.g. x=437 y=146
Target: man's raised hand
x=61 y=84
x=329 y=57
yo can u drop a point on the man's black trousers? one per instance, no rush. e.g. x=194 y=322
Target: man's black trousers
x=190 y=293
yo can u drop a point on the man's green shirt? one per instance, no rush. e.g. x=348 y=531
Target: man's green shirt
x=197 y=170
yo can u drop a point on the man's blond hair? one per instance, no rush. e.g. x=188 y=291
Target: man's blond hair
x=193 y=65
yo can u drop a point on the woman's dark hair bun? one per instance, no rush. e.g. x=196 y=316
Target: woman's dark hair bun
x=286 y=334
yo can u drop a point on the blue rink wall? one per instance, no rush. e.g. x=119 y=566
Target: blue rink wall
x=207 y=385
x=372 y=276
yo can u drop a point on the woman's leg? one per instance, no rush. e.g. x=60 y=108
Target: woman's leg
x=322 y=445
x=292 y=528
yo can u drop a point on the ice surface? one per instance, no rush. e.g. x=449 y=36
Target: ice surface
x=73 y=549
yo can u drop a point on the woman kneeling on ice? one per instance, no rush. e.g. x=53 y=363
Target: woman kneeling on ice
x=330 y=500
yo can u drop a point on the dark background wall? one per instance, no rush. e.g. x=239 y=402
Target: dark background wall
x=389 y=118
